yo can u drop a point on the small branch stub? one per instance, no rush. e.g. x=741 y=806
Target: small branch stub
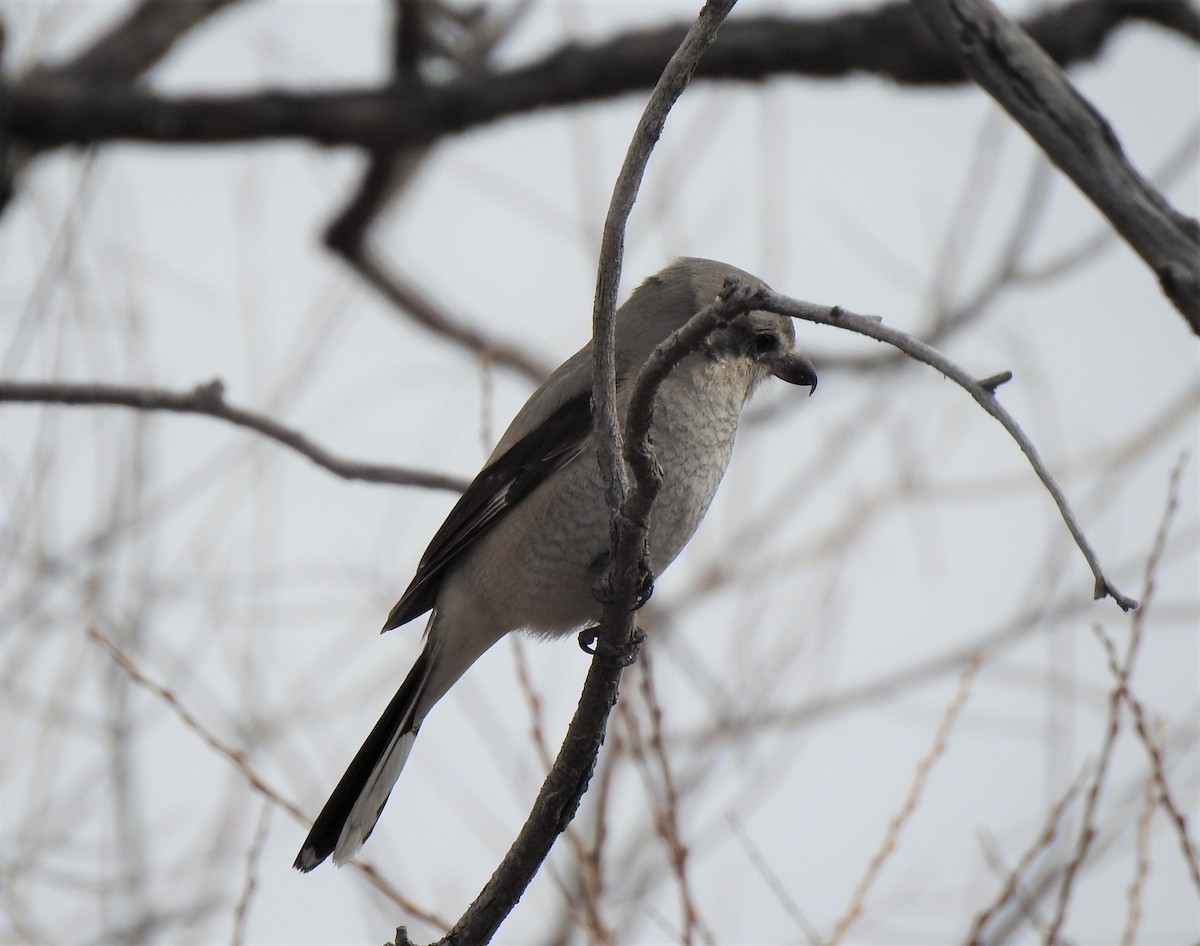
x=994 y=381
x=1105 y=590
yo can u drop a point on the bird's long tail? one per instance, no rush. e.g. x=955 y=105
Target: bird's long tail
x=349 y=816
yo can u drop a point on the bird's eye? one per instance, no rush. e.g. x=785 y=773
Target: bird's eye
x=764 y=343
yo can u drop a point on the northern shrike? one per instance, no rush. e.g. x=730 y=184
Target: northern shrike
x=525 y=545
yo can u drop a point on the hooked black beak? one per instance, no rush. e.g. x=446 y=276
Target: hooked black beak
x=794 y=368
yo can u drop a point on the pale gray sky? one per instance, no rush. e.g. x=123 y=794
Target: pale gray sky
x=885 y=522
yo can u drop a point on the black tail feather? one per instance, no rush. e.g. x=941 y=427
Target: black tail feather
x=326 y=830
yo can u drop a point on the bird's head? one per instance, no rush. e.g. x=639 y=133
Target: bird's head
x=769 y=342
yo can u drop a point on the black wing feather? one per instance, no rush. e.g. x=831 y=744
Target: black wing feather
x=497 y=489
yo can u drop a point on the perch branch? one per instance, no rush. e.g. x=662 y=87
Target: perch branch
x=559 y=797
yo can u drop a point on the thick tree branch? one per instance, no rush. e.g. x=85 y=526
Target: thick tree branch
x=890 y=41
x=137 y=42
x=1009 y=65
x=130 y=47
x=209 y=399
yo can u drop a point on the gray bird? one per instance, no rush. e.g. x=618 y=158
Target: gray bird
x=525 y=545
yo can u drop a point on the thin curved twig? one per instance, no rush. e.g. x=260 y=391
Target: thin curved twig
x=984 y=393
x=209 y=399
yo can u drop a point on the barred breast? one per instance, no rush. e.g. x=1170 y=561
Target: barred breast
x=696 y=416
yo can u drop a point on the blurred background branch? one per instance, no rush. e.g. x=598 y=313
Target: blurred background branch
x=395 y=296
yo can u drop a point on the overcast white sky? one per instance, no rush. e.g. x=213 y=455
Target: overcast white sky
x=251 y=584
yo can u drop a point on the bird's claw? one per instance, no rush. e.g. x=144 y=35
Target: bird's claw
x=602 y=590
x=629 y=653
x=590 y=643
x=645 y=585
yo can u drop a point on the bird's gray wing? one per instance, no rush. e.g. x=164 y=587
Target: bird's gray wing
x=497 y=489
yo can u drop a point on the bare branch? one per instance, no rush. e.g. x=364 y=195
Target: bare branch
x=209 y=399
x=138 y=42
x=250 y=882
x=994 y=381
x=1087 y=827
x=1008 y=271
x=133 y=45
x=1005 y=62
x=1166 y=797
x=611 y=451
x=1142 y=860
x=986 y=398
x=915 y=791
x=774 y=883
x=1012 y=887
x=1123 y=670
x=237 y=758
x=346 y=236
x=430 y=315
x=559 y=797
x=666 y=815
x=890 y=41
x=390 y=171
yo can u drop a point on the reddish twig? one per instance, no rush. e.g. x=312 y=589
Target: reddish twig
x=237 y=758
x=916 y=790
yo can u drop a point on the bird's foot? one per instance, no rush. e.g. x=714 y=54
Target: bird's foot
x=602 y=590
x=588 y=637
